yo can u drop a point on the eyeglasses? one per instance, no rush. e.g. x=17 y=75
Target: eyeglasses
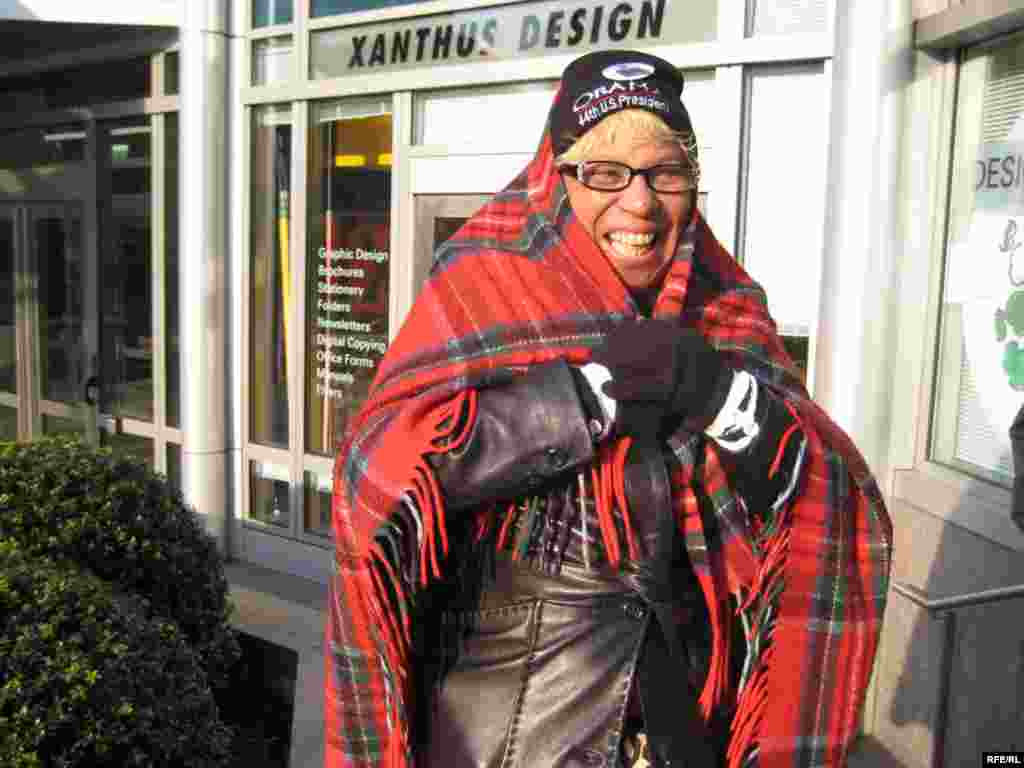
x=608 y=176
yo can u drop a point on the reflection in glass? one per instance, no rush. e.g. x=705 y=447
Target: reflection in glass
x=172 y=321
x=174 y=466
x=8 y=353
x=92 y=83
x=348 y=263
x=59 y=425
x=126 y=287
x=330 y=7
x=317 y=504
x=445 y=227
x=8 y=423
x=42 y=163
x=172 y=73
x=798 y=348
x=127 y=446
x=270 y=289
x=268 y=502
x=268 y=12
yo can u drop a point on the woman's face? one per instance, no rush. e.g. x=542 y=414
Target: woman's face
x=637 y=229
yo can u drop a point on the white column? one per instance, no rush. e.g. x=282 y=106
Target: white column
x=203 y=293
x=857 y=330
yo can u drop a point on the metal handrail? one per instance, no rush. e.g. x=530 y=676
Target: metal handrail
x=945 y=608
x=942 y=604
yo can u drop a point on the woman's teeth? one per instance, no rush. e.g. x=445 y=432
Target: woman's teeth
x=631 y=243
x=633 y=238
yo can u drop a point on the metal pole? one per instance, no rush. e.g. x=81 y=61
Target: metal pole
x=946 y=671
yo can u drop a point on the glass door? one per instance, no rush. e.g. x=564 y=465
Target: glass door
x=56 y=322
x=127 y=392
x=8 y=324
x=87 y=285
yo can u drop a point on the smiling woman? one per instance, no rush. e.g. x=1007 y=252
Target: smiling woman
x=587 y=392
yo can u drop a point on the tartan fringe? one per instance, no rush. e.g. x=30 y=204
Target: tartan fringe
x=758 y=612
x=607 y=488
x=712 y=580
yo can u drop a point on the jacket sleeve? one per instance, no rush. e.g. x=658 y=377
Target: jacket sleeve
x=526 y=433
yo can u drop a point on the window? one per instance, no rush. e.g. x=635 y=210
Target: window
x=272 y=60
x=268 y=12
x=317 y=503
x=270 y=489
x=270 y=290
x=88 y=237
x=330 y=7
x=979 y=375
x=8 y=328
x=174 y=465
x=126 y=299
x=172 y=73
x=452 y=117
x=786 y=171
x=172 y=347
x=787 y=17
x=348 y=262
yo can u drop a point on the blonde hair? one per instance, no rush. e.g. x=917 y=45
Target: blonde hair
x=636 y=126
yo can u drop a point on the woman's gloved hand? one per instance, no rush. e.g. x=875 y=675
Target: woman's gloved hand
x=658 y=374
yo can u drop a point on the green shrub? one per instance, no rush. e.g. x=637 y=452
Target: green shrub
x=89 y=678
x=67 y=501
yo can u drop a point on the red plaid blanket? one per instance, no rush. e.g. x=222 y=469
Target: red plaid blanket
x=520 y=284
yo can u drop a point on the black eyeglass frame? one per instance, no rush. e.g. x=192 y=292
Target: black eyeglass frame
x=578 y=168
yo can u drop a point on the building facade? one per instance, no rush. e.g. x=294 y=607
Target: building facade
x=214 y=214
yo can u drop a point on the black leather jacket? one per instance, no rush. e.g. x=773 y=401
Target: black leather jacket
x=555 y=648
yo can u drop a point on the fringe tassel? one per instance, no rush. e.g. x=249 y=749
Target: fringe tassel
x=397 y=749
x=396 y=584
x=716 y=596
x=617 y=469
x=717 y=683
x=603 y=505
x=607 y=476
x=761 y=606
x=510 y=514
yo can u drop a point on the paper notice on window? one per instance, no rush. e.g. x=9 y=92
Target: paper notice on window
x=983 y=358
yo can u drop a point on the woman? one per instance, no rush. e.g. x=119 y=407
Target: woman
x=589 y=516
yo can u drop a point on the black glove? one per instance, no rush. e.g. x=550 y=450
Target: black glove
x=661 y=375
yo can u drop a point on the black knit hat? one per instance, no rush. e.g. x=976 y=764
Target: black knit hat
x=601 y=83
